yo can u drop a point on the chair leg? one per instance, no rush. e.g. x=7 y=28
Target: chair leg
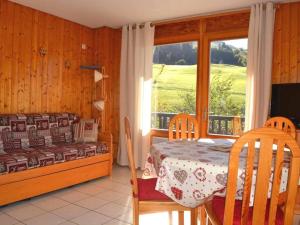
x=202 y=215
x=135 y=211
x=170 y=218
x=194 y=216
x=181 y=217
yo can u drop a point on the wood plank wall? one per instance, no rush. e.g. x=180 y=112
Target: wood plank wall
x=108 y=54
x=30 y=82
x=286 y=50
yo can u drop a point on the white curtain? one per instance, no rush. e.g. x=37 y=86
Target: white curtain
x=135 y=90
x=259 y=69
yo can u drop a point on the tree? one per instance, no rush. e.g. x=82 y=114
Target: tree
x=220 y=100
x=188 y=104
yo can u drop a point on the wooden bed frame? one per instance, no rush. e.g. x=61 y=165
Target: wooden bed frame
x=32 y=182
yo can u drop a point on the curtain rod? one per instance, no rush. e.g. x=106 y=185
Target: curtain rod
x=195 y=17
x=203 y=16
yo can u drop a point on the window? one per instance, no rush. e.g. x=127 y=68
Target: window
x=174 y=82
x=227 y=86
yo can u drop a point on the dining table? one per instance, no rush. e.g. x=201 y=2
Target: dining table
x=193 y=171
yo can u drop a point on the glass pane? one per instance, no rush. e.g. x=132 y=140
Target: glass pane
x=227 y=88
x=174 y=82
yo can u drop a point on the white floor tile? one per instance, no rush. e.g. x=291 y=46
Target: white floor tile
x=113 y=210
x=7 y=220
x=116 y=222
x=105 y=184
x=45 y=219
x=91 y=218
x=106 y=200
x=90 y=189
x=72 y=196
x=49 y=203
x=126 y=217
x=23 y=212
x=91 y=203
x=68 y=223
x=124 y=201
x=70 y=211
x=110 y=195
x=121 y=188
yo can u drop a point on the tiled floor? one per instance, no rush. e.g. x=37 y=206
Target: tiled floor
x=102 y=201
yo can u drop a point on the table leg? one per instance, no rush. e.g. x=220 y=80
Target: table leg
x=181 y=217
x=202 y=215
x=194 y=216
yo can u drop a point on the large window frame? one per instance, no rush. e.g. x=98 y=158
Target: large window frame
x=203 y=72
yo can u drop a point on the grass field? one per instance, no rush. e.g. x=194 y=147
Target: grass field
x=172 y=80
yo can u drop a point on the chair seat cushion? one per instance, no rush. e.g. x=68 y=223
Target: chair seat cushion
x=218 y=206
x=147 y=192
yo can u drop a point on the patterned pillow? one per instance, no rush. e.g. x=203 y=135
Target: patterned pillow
x=85 y=131
x=9 y=143
x=56 y=136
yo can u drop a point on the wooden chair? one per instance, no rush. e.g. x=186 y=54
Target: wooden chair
x=228 y=211
x=184 y=126
x=145 y=198
x=283 y=124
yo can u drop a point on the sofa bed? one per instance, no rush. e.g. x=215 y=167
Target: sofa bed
x=38 y=154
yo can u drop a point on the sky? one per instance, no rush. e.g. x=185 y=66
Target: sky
x=239 y=43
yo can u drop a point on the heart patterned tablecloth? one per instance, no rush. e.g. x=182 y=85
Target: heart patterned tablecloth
x=191 y=172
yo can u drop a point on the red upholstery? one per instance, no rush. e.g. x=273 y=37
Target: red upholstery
x=147 y=192
x=218 y=205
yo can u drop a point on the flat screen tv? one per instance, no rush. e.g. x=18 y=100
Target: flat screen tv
x=286 y=102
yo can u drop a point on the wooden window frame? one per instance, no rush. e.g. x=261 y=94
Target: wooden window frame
x=202 y=86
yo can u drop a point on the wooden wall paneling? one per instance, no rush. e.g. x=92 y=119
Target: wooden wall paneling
x=54 y=68
x=15 y=56
x=42 y=79
x=87 y=81
x=235 y=21
x=66 y=90
x=6 y=43
x=285 y=34
x=33 y=70
x=286 y=47
x=174 y=32
x=298 y=44
x=30 y=82
x=276 y=50
x=294 y=30
x=25 y=61
x=107 y=53
x=117 y=36
x=75 y=76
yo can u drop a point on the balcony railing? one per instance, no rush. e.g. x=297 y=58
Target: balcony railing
x=223 y=125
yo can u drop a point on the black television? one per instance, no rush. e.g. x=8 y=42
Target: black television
x=285 y=102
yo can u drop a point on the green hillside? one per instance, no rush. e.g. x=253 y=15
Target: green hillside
x=171 y=82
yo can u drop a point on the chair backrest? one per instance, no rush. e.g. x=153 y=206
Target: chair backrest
x=268 y=160
x=283 y=124
x=131 y=157
x=184 y=126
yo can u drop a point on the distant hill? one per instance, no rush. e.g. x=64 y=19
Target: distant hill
x=186 y=54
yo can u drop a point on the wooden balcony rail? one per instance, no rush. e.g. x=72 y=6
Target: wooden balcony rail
x=218 y=124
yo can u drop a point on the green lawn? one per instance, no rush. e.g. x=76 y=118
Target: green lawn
x=171 y=81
